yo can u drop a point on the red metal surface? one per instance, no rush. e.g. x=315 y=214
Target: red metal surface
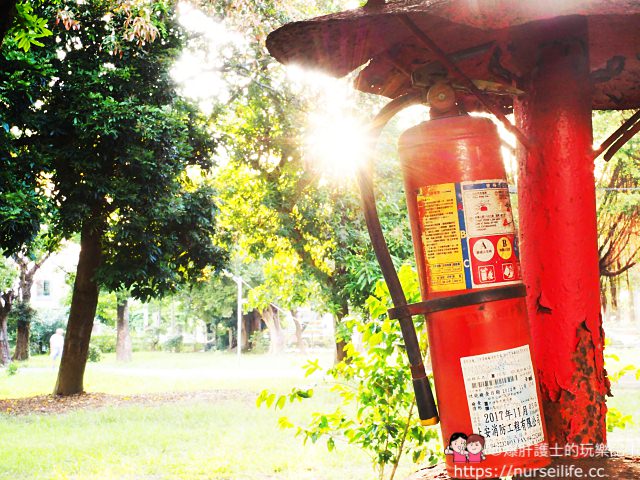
x=374 y=37
x=558 y=230
x=456 y=149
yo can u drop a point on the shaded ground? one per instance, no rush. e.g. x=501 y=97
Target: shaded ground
x=52 y=404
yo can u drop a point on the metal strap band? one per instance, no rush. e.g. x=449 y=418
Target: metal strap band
x=456 y=301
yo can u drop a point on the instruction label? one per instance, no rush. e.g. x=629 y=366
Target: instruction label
x=503 y=403
x=438 y=211
x=468 y=235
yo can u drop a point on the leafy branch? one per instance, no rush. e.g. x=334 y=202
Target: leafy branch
x=376 y=410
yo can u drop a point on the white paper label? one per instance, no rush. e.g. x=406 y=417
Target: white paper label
x=502 y=398
x=487 y=208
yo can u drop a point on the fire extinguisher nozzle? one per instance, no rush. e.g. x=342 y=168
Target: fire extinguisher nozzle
x=427 y=409
x=429 y=422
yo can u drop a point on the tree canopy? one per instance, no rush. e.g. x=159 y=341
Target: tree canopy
x=22 y=205
x=110 y=143
x=275 y=203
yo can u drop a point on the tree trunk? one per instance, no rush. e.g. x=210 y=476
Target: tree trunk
x=145 y=316
x=632 y=300
x=196 y=331
x=340 y=341
x=276 y=334
x=5 y=356
x=245 y=333
x=123 y=342
x=22 y=341
x=613 y=289
x=299 y=340
x=83 y=310
x=603 y=300
x=210 y=338
x=5 y=308
x=26 y=283
x=252 y=322
x=23 y=334
x=172 y=317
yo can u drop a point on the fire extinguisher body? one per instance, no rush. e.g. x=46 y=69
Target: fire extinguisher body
x=465 y=241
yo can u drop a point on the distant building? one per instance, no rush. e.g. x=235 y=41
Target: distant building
x=50 y=289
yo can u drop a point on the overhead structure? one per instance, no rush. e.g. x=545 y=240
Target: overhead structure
x=557 y=61
x=477 y=34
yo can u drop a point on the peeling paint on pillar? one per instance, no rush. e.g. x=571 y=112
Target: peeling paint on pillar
x=559 y=253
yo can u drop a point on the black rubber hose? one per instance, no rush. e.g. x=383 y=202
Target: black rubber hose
x=424 y=397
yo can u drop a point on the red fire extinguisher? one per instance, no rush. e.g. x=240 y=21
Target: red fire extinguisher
x=466 y=250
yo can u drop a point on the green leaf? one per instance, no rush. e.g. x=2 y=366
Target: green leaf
x=331 y=444
x=270 y=399
x=284 y=423
x=261 y=398
x=308 y=393
x=311 y=367
x=375 y=339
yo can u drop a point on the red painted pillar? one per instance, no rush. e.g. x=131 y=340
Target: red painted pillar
x=556 y=196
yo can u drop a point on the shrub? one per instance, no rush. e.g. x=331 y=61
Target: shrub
x=43 y=326
x=151 y=339
x=222 y=341
x=106 y=343
x=95 y=354
x=174 y=344
x=259 y=342
x=616 y=370
x=12 y=369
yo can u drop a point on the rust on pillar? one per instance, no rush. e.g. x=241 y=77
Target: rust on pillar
x=556 y=192
x=569 y=57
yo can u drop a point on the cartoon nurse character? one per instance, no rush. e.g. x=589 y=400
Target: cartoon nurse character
x=457 y=447
x=475 y=445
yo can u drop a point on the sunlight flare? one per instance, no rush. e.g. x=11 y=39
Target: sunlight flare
x=336 y=144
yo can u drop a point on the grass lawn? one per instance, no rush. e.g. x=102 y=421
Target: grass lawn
x=166 y=372
x=224 y=439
